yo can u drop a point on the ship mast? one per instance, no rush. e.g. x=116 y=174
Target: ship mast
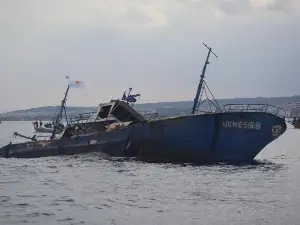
x=59 y=115
x=196 y=100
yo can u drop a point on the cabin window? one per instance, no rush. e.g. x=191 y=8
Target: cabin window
x=104 y=112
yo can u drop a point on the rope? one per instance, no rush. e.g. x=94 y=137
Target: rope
x=210 y=103
x=213 y=96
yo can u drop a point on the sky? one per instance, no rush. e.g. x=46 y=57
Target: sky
x=154 y=46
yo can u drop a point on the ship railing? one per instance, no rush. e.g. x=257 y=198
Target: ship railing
x=82 y=117
x=150 y=116
x=273 y=109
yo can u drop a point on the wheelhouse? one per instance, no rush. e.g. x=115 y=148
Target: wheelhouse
x=107 y=116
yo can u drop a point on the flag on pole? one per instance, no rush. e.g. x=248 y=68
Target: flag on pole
x=130 y=98
x=76 y=84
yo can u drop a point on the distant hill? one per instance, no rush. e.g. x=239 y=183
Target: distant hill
x=165 y=108
x=48 y=110
x=42 y=113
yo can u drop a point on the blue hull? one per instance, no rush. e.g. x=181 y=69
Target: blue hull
x=234 y=136
x=111 y=143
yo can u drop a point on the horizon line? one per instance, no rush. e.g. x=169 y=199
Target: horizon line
x=220 y=99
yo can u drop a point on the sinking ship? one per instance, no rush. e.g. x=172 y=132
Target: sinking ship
x=230 y=133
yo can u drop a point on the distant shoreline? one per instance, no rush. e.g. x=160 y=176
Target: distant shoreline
x=21 y=119
x=25 y=117
x=46 y=113
x=245 y=100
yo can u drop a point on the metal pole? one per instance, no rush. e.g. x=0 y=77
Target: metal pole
x=60 y=113
x=196 y=99
x=128 y=95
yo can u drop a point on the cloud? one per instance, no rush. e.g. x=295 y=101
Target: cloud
x=139 y=15
x=231 y=7
x=276 y=5
x=237 y=7
x=154 y=46
x=77 y=13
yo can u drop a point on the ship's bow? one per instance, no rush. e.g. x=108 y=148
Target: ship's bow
x=242 y=135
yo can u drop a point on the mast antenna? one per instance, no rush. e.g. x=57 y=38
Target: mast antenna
x=196 y=99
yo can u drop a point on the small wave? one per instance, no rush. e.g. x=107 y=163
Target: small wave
x=65 y=219
x=37 y=214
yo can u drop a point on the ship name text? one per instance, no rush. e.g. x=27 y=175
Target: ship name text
x=242 y=124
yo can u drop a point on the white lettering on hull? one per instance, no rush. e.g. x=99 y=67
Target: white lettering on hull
x=242 y=124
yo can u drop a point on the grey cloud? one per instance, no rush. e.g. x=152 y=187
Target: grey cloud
x=243 y=7
x=284 y=5
x=234 y=7
x=153 y=46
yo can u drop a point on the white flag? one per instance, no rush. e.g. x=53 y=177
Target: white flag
x=76 y=84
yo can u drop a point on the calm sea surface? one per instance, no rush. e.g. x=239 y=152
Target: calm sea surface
x=88 y=189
